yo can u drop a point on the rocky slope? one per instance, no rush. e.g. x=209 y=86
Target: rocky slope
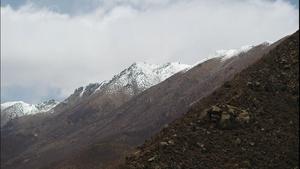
x=252 y=121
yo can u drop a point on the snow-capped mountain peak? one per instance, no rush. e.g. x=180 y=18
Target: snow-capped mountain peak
x=227 y=54
x=141 y=76
x=10 y=110
x=136 y=78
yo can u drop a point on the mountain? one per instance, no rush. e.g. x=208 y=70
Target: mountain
x=144 y=115
x=11 y=110
x=97 y=125
x=251 y=121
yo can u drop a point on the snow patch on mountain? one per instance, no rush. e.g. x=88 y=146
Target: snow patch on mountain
x=141 y=76
x=227 y=54
x=101 y=85
x=82 y=91
x=138 y=77
x=8 y=104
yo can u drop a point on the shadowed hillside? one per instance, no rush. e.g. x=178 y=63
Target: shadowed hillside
x=252 y=121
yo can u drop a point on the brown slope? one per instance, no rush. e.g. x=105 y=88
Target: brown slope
x=151 y=110
x=252 y=121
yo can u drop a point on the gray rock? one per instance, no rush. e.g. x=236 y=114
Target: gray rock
x=151 y=159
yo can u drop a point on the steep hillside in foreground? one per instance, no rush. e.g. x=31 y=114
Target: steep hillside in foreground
x=252 y=121
x=147 y=113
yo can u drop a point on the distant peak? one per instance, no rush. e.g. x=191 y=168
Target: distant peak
x=226 y=54
x=10 y=110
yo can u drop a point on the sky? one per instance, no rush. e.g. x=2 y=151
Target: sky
x=50 y=48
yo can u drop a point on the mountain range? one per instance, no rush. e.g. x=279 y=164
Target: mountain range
x=101 y=122
x=138 y=77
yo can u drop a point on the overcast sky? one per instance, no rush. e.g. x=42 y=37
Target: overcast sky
x=50 y=48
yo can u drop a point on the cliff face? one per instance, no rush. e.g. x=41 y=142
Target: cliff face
x=252 y=121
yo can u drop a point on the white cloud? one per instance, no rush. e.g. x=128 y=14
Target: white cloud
x=44 y=48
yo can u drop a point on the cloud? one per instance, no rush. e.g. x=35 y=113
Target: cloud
x=44 y=49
